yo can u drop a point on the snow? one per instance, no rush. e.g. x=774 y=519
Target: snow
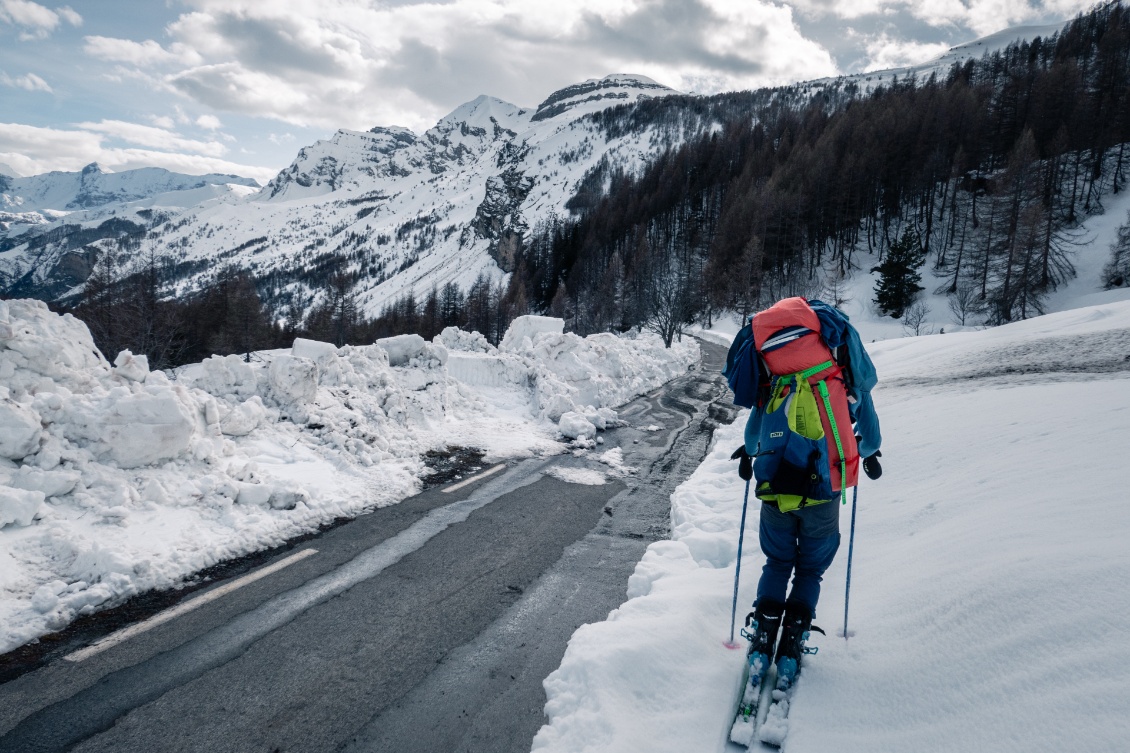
x=576 y=426
x=413 y=205
x=524 y=329
x=583 y=476
x=1095 y=235
x=19 y=506
x=987 y=580
x=115 y=479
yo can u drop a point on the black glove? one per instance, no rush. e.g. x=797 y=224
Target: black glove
x=871 y=466
x=745 y=467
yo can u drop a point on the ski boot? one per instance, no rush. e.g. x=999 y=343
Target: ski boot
x=761 y=626
x=798 y=625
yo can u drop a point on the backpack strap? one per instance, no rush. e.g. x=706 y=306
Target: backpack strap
x=823 y=389
x=836 y=433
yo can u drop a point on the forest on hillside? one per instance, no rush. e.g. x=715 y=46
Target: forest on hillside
x=984 y=173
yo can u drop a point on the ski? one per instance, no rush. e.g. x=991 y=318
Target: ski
x=773 y=731
x=744 y=727
x=756 y=696
x=774 y=728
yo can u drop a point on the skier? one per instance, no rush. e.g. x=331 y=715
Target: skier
x=789 y=345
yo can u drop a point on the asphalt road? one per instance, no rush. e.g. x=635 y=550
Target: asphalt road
x=425 y=626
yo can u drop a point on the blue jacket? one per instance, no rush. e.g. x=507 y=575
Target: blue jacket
x=837 y=331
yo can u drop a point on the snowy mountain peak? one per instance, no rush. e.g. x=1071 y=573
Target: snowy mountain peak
x=8 y=171
x=397 y=132
x=483 y=112
x=94 y=187
x=599 y=93
x=404 y=210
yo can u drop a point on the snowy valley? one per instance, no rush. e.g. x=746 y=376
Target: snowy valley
x=405 y=211
x=990 y=558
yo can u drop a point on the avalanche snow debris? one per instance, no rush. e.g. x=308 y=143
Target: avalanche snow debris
x=20 y=430
x=19 y=506
x=575 y=426
x=454 y=338
x=129 y=366
x=529 y=327
x=116 y=479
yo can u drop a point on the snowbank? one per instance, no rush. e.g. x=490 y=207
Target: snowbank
x=115 y=479
x=988 y=567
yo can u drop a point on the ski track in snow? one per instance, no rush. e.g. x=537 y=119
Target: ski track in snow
x=987 y=586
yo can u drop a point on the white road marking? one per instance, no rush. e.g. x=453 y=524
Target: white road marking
x=126 y=633
x=473 y=479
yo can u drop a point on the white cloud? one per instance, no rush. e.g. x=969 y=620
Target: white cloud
x=158 y=138
x=31 y=150
x=28 y=81
x=354 y=63
x=884 y=52
x=70 y=15
x=162 y=121
x=210 y=122
x=147 y=52
x=29 y=14
x=980 y=17
x=37 y=21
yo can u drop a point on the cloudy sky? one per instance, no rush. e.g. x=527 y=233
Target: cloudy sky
x=240 y=85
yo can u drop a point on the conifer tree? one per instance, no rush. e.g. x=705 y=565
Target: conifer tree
x=1116 y=274
x=899 y=276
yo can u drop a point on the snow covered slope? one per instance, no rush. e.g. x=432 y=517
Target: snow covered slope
x=941 y=65
x=115 y=479
x=414 y=211
x=407 y=211
x=988 y=584
x=54 y=194
x=53 y=226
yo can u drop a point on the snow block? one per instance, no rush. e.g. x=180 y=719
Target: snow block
x=50 y=483
x=46 y=597
x=129 y=366
x=482 y=370
x=253 y=494
x=226 y=375
x=294 y=379
x=243 y=418
x=575 y=426
x=18 y=506
x=141 y=429
x=457 y=339
x=313 y=349
x=36 y=342
x=20 y=430
x=288 y=499
x=402 y=348
x=529 y=326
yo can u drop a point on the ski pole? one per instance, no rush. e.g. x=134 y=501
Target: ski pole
x=851 y=546
x=738 y=569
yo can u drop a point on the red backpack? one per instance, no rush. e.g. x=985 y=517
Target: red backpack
x=798 y=463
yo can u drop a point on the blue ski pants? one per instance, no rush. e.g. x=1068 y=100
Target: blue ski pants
x=801 y=544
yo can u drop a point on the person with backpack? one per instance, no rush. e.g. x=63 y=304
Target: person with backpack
x=802 y=368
